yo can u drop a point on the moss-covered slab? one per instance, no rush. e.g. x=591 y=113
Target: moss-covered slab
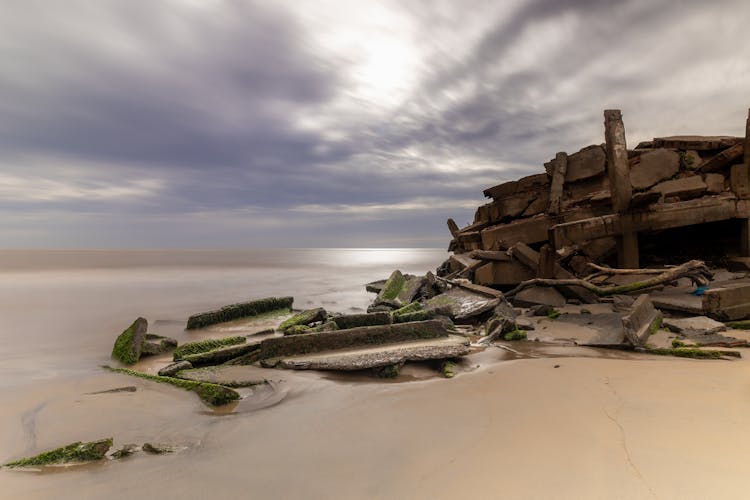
x=380 y=356
x=213 y=394
x=304 y=318
x=73 y=453
x=237 y=311
x=297 y=330
x=206 y=345
x=692 y=352
x=422 y=315
x=129 y=344
x=399 y=290
x=221 y=355
x=172 y=368
x=351 y=338
x=368 y=319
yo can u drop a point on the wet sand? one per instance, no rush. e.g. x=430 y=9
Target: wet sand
x=603 y=424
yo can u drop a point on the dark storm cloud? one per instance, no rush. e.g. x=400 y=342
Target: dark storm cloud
x=169 y=116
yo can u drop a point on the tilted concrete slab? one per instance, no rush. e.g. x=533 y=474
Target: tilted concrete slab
x=373 y=357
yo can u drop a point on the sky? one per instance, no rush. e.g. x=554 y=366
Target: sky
x=231 y=124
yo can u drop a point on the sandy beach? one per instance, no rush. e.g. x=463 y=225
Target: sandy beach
x=556 y=422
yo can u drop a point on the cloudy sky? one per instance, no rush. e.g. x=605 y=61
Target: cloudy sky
x=208 y=123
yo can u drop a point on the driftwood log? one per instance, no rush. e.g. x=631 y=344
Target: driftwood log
x=695 y=270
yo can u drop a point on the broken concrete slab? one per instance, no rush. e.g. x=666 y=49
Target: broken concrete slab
x=384 y=355
x=206 y=345
x=77 y=452
x=538 y=295
x=129 y=344
x=226 y=375
x=724 y=159
x=375 y=286
x=241 y=310
x=462 y=303
x=696 y=142
x=715 y=183
x=642 y=321
x=399 y=290
x=365 y=319
x=677 y=300
x=728 y=303
x=652 y=167
x=459 y=262
x=695 y=324
x=586 y=163
x=503 y=273
x=684 y=188
x=350 y=338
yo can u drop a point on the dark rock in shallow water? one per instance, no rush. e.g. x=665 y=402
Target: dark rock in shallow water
x=241 y=310
x=73 y=453
x=171 y=369
x=157 y=344
x=129 y=344
x=125 y=451
x=158 y=448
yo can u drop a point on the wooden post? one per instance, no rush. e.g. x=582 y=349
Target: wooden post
x=559 y=169
x=619 y=181
x=546 y=266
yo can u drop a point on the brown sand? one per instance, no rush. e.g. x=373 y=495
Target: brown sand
x=592 y=428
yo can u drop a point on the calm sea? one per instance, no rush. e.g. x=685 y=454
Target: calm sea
x=60 y=310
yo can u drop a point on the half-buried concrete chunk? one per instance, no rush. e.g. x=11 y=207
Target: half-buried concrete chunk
x=72 y=453
x=305 y=318
x=221 y=355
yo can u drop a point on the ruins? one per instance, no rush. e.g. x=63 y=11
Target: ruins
x=606 y=203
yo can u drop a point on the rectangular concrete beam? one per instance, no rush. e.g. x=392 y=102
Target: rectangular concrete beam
x=727 y=304
x=642 y=320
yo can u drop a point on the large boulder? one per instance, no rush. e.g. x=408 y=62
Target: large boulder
x=129 y=344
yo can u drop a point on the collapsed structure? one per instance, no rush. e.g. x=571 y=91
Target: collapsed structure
x=607 y=200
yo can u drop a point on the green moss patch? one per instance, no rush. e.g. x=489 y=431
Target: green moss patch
x=686 y=352
x=305 y=318
x=205 y=346
x=212 y=394
x=448 y=369
x=515 y=335
x=553 y=314
x=128 y=345
x=409 y=308
x=393 y=286
x=73 y=453
x=739 y=325
x=297 y=330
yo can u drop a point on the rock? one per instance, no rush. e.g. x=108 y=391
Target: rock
x=73 y=453
x=375 y=286
x=524 y=324
x=399 y=290
x=448 y=369
x=654 y=166
x=685 y=188
x=221 y=355
x=537 y=295
x=304 y=318
x=388 y=371
x=125 y=451
x=241 y=310
x=128 y=346
x=715 y=183
x=157 y=344
x=695 y=324
x=351 y=338
x=206 y=345
x=171 y=369
x=380 y=356
x=158 y=448
x=369 y=319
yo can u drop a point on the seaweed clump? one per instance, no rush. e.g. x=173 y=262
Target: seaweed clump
x=213 y=394
x=205 y=346
x=77 y=452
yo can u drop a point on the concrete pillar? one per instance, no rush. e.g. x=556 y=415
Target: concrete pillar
x=744 y=237
x=747 y=140
x=546 y=265
x=618 y=168
x=739 y=177
x=559 y=169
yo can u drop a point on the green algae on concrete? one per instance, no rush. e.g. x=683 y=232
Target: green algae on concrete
x=212 y=394
x=739 y=325
x=297 y=330
x=515 y=335
x=688 y=352
x=206 y=345
x=448 y=369
x=241 y=310
x=304 y=318
x=221 y=354
x=390 y=371
x=393 y=286
x=129 y=344
x=73 y=453
x=409 y=308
